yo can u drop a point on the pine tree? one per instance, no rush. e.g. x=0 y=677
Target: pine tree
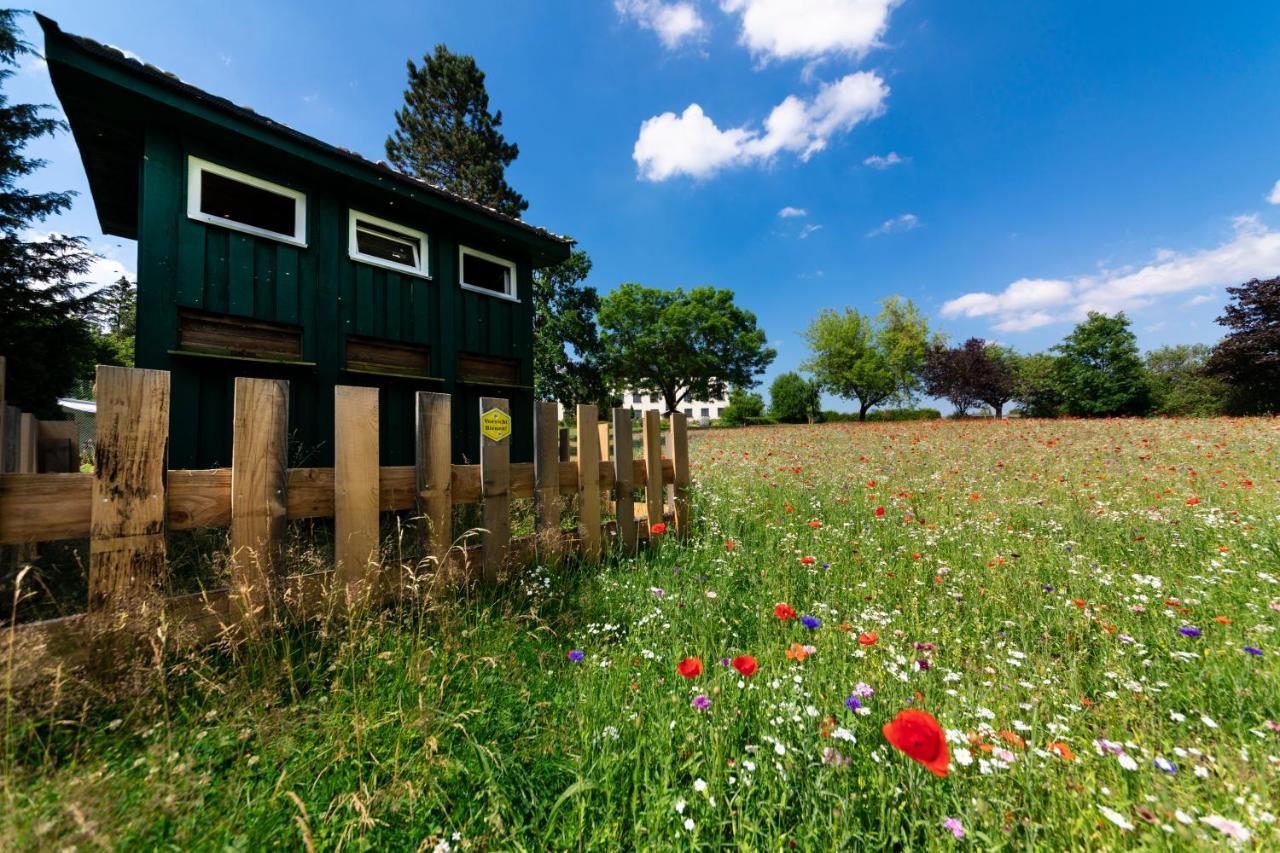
x=45 y=332
x=446 y=135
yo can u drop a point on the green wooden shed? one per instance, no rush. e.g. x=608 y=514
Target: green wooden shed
x=265 y=252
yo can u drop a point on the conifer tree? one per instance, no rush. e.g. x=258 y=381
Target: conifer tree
x=45 y=333
x=446 y=135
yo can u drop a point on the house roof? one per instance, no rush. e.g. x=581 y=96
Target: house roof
x=110 y=145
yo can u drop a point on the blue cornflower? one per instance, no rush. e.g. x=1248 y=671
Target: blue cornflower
x=811 y=622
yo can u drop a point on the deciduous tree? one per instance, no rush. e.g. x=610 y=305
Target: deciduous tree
x=869 y=360
x=687 y=345
x=1248 y=358
x=1179 y=385
x=567 y=357
x=1099 y=371
x=974 y=372
x=794 y=399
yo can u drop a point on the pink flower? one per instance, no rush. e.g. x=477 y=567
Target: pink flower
x=953 y=825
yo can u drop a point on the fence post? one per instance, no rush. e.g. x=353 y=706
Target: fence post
x=624 y=474
x=495 y=483
x=678 y=491
x=355 y=488
x=653 y=467
x=434 y=461
x=546 y=473
x=28 y=433
x=127 y=520
x=588 y=482
x=3 y=408
x=259 y=497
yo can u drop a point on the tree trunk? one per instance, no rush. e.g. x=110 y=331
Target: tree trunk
x=999 y=407
x=669 y=397
x=862 y=411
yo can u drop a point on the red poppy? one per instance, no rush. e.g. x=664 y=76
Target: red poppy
x=814 y=523
x=808 y=561
x=690 y=667
x=868 y=639
x=1061 y=750
x=879 y=512
x=784 y=612
x=745 y=664
x=729 y=544
x=918 y=735
x=657 y=529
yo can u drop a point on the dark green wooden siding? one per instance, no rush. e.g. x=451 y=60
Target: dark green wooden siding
x=188 y=264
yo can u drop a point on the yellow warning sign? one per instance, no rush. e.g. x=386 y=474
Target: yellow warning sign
x=495 y=424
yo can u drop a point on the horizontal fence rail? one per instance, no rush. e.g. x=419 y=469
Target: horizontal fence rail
x=130 y=501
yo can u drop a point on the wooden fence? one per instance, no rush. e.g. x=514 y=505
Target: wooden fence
x=29 y=445
x=129 y=502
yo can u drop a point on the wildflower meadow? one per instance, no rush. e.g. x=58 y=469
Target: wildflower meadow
x=929 y=635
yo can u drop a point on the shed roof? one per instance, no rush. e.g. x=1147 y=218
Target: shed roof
x=110 y=142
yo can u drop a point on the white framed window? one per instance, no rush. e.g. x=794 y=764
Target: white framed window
x=222 y=196
x=386 y=244
x=485 y=273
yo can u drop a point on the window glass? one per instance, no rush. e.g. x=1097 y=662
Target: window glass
x=486 y=274
x=706 y=413
x=379 y=242
x=228 y=198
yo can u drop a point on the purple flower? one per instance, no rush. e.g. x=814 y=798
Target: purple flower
x=1047 y=588
x=923 y=664
x=811 y=622
x=725 y=662
x=576 y=655
x=1253 y=650
x=701 y=703
x=863 y=689
x=658 y=592
x=853 y=703
x=1188 y=631
x=1166 y=765
x=954 y=826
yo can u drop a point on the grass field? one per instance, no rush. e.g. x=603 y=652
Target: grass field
x=1089 y=609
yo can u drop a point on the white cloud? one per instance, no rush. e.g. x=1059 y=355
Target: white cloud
x=807 y=230
x=674 y=23
x=1252 y=252
x=896 y=225
x=1198 y=300
x=691 y=143
x=792 y=212
x=1274 y=197
x=791 y=29
x=876 y=161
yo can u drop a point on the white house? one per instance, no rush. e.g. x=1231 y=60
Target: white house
x=695 y=410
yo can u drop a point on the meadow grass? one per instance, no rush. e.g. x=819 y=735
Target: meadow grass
x=1078 y=603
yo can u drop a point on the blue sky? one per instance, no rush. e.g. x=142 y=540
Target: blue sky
x=1035 y=160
